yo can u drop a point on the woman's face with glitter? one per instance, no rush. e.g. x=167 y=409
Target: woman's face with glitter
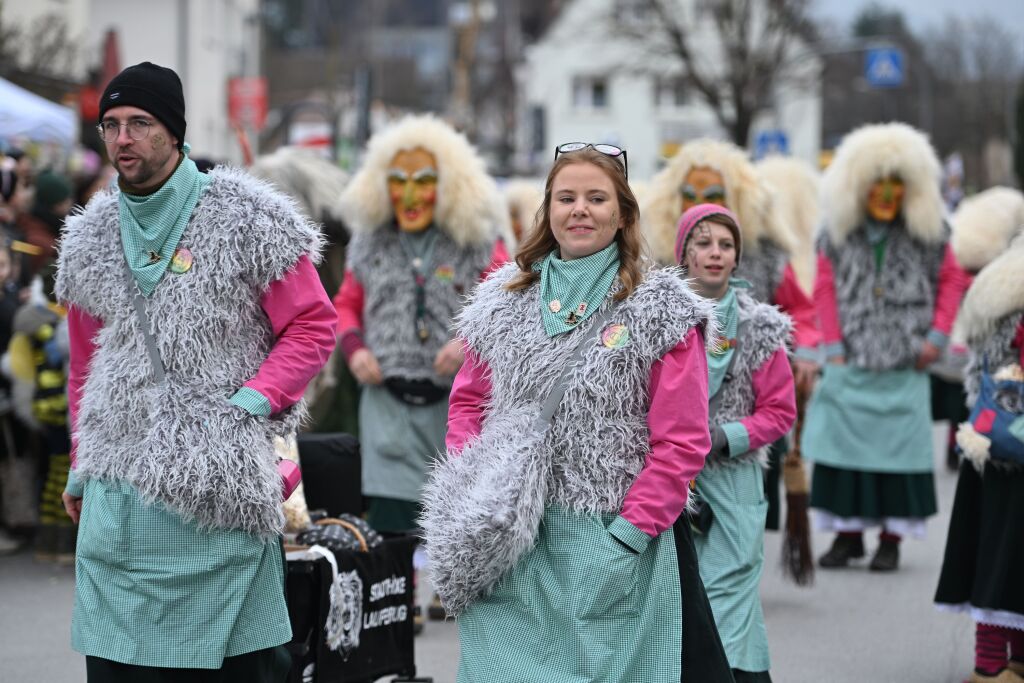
x=412 y=186
x=584 y=211
x=710 y=257
x=702 y=185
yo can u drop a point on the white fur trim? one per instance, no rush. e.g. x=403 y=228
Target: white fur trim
x=996 y=292
x=311 y=180
x=984 y=224
x=469 y=207
x=746 y=193
x=797 y=189
x=873 y=152
x=975 y=446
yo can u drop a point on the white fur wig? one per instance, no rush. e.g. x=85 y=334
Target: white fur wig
x=997 y=291
x=524 y=198
x=746 y=194
x=877 y=151
x=797 y=189
x=469 y=206
x=306 y=177
x=984 y=224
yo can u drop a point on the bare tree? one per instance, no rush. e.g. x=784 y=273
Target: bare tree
x=42 y=47
x=732 y=53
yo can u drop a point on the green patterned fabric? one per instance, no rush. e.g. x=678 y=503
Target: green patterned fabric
x=153 y=590
x=572 y=284
x=732 y=559
x=870 y=421
x=252 y=401
x=727 y=311
x=152 y=225
x=580 y=606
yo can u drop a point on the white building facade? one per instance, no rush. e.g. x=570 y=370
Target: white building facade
x=207 y=42
x=582 y=82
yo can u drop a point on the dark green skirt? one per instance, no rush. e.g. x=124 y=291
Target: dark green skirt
x=873 y=495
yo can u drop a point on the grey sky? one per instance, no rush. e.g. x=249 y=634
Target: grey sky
x=923 y=14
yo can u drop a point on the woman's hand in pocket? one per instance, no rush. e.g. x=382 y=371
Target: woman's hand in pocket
x=72 y=505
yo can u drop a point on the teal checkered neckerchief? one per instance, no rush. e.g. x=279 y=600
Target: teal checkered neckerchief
x=152 y=225
x=727 y=312
x=570 y=291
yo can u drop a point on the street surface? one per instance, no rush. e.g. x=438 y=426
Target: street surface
x=851 y=626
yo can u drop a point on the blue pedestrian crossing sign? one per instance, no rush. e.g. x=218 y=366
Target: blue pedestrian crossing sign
x=883 y=67
x=769 y=142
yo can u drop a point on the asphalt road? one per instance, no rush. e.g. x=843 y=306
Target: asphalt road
x=851 y=626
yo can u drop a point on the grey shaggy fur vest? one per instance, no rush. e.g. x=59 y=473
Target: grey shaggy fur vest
x=997 y=347
x=482 y=508
x=764 y=331
x=885 y=316
x=182 y=444
x=384 y=269
x=763 y=269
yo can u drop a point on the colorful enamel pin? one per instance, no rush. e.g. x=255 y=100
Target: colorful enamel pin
x=182 y=261
x=615 y=336
x=445 y=273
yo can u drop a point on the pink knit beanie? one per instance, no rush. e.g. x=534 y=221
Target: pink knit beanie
x=694 y=215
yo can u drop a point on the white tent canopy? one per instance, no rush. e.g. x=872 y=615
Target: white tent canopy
x=25 y=114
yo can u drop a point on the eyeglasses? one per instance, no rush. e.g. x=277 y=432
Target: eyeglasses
x=138 y=129
x=607 y=150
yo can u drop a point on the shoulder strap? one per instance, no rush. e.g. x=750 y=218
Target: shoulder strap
x=716 y=400
x=139 y=303
x=552 y=400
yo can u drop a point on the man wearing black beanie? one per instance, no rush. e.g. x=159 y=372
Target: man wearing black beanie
x=195 y=320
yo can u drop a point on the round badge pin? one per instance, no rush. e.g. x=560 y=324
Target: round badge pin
x=554 y=305
x=182 y=261
x=615 y=336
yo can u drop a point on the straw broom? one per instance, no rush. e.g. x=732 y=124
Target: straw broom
x=797 y=559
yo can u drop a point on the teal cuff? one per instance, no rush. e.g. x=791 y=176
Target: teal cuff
x=834 y=350
x=738 y=438
x=939 y=339
x=74 y=487
x=252 y=401
x=808 y=353
x=624 y=530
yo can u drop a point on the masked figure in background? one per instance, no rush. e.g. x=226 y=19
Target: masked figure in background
x=713 y=172
x=424 y=216
x=984 y=555
x=524 y=198
x=887 y=292
x=797 y=189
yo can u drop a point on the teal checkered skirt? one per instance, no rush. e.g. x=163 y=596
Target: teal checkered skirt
x=579 y=606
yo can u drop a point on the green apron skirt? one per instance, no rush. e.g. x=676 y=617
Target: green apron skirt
x=398 y=443
x=870 y=421
x=731 y=557
x=579 y=607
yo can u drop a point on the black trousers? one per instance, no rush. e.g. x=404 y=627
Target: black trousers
x=704 y=657
x=262 y=666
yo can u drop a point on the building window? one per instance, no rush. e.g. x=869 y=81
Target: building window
x=590 y=92
x=671 y=92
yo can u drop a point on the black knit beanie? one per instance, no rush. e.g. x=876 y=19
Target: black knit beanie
x=156 y=89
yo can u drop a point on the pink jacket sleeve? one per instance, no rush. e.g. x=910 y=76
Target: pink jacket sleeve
x=774 y=403
x=792 y=299
x=828 y=308
x=82 y=331
x=953 y=282
x=303 y=321
x=471 y=391
x=348 y=303
x=678 y=423
x=499 y=257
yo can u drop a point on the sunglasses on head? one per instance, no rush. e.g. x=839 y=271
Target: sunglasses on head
x=607 y=150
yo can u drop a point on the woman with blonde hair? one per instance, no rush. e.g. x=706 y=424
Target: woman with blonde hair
x=576 y=424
